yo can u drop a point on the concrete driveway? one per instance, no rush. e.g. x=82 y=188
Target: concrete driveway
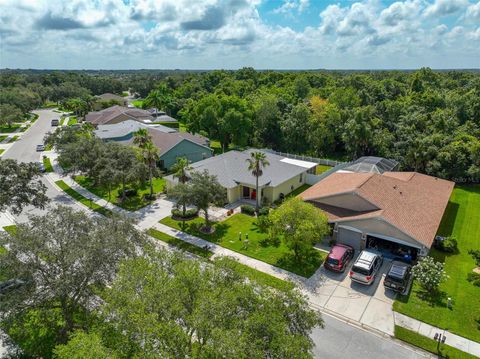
x=369 y=306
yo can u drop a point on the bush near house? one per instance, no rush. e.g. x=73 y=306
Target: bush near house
x=247 y=209
x=189 y=213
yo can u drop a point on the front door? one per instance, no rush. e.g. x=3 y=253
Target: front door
x=246 y=192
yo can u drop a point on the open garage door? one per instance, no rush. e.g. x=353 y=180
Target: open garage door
x=394 y=249
x=350 y=237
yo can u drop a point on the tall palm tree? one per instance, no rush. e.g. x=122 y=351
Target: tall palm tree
x=141 y=138
x=150 y=158
x=256 y=163
x=180 y=169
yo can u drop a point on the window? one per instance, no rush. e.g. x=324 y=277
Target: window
x=301 y=177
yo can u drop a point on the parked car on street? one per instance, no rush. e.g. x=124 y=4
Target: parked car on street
x=339 y=257
x=41 y=167
x=40 y=148
x=398 y=276
x=55 y=122
x=366 y=267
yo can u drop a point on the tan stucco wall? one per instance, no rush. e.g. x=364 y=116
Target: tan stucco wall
x=233 y=194
x=349 y=201
x=285 y=187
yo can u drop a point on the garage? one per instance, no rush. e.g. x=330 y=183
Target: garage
x=350 y=237
x=392 y=249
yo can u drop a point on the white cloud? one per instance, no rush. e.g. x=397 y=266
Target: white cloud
x=445 y=7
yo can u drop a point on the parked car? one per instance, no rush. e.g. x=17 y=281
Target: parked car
x=339 y=257
x=366 y=267
x=398 y=276
x=55 y=122
x=40 y=148
x=41 y=167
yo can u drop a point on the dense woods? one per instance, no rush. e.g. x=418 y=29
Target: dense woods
x=427 y=120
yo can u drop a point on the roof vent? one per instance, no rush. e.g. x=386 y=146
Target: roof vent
x=395 y=187
x=400 y=192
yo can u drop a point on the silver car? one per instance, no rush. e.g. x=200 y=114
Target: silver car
x=366 y=267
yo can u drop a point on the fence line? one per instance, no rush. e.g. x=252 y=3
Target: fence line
x=322 y=161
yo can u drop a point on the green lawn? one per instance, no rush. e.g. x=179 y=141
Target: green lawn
x=227 y=232
x=47 y=164
x=462 y=220
x=7 y=129
x=3 y=138
x=429 y=344
x=77 y=196
x=138 y=103
x=1 y=150
x=299 y=190
x=10 y=229
x=131 y=203
x=217 y=147
x=13 y=139
x=322 y=168
x=251 y=273
x=24 y=128
x=72 y=120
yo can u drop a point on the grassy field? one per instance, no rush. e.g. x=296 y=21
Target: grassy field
x=47 y=164
x=322 y=168
x=429 y=344
x=299 y=190
x=251 y=273
x=462 y=220
x=131 y=203
x=72 y=120
x=77 y=196
x=138 y=103
x=7 y=129
x=227 y=235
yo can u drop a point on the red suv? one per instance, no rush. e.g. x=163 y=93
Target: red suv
x=338 y=258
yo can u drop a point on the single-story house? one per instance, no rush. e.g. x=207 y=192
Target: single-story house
x=282 y=176
x=171 y=144
x=398 y=211
x=117 y=114
x=161 y=116
x=106 y=97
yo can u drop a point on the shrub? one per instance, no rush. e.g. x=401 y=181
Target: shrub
x=263 y=223
x=264 y=211
x=474 y=278
x=247 y=209
x=429 y=274
x=448 y=245
x=130 y=192
x=475 y=255
x=189 y=213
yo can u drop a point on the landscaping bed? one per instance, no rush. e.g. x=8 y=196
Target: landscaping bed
x=131 y=203
x=461 y=220
x=77 y=196
x=47 y=164
x=429 y=344
x=9 y=129
x=227 y=235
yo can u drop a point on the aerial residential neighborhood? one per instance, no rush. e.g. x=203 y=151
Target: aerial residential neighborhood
x=240 y=179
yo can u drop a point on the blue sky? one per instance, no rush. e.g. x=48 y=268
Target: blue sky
x=265 y=34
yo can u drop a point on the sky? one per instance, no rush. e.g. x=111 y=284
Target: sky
x=230 y=34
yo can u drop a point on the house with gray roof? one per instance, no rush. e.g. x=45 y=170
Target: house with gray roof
x=281 y=177
x=117 y=114
x=123 y=131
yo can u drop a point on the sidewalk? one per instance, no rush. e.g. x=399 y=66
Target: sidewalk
x=427 y=330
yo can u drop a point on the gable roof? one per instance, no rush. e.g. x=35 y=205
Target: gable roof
x=231 y=169
x=105 y=116
x=125 y=128
x=410 y=201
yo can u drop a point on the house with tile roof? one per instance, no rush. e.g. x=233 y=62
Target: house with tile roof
x=394 y=210
x=281 y=177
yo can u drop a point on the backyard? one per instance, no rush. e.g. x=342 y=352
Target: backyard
x=131 y=203
x=227 y=235
x=461 y=220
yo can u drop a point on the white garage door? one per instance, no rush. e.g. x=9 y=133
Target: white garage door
x=347 y=236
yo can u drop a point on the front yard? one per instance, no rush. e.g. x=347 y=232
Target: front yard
x=462 y=220
x=131 y=203
x=227 y=235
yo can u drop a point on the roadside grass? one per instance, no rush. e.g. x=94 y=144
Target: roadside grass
x=299 y=190
x=49 y=104
x=2 y=138
x=62 y=121
x=1 y=150
x=10 y=229
x=12 y=139
x=138 y=103
x=47 y=164
x=24 y=128
x=462 y=220
x=251 y=273
x=72 y=120
x=322 y=168
x=259 y=247
x=9 y=129
x=429 y=344
x=132 y=203
x=77 y=196
x=48 y=147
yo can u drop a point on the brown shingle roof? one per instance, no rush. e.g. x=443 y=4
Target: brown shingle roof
x=107 y=115
x=412 y=202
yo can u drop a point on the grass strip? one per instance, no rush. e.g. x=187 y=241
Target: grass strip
x=12 y=139
x=47 y=164
x=3 y=138
x=250 y=273
x=430 y=345
x=179 y=243
x=72 y=121
x=1 y=150
x=77 y=196
x=9 y=129
x=10 y=229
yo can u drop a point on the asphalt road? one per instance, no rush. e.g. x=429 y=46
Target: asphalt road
x=336 y=340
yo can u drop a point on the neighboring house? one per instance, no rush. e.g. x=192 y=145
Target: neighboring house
x=398 y=211
x=281 y=177
x=107 y=97
x=171 y=144
x=161 y=116
x=117 y=114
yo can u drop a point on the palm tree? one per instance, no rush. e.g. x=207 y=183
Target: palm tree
x=256 y=163
x=159 y=98
x=141 y=138
x=180 y=170
x=150 y=157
